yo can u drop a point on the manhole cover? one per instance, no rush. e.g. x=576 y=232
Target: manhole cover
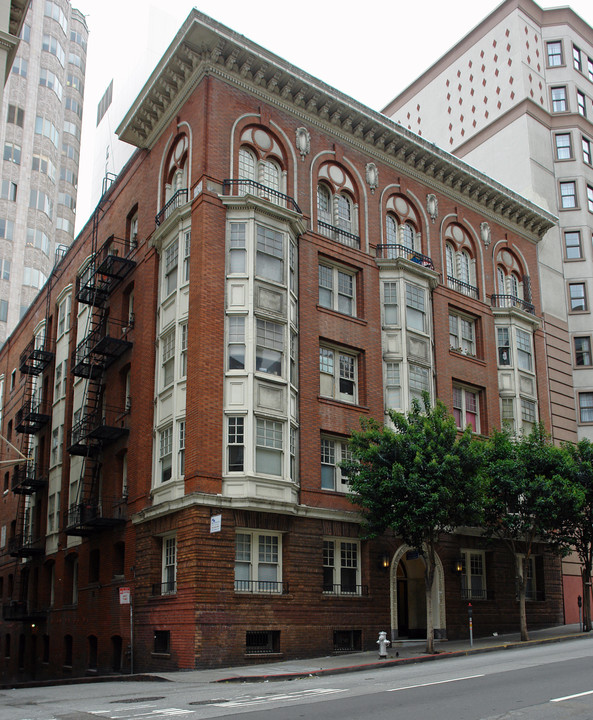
x=137 y=700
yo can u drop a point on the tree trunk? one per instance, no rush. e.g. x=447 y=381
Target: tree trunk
x=429 y=568
x=586 y=576
x=521 y=577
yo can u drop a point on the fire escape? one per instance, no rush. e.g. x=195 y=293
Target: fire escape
x=96 y=424
x=27 y=543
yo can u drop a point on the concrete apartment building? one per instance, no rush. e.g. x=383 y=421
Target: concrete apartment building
x=514 y=98
x=40 y=140
x=274 y=263
x=12 y=16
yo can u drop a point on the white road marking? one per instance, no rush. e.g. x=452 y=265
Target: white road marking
x=436 y=682
x=260 y=700
x=570 y=697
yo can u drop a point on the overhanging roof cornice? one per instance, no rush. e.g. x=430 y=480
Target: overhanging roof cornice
x=204 y=47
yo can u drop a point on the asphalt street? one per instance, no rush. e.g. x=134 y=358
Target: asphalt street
x=547 y=682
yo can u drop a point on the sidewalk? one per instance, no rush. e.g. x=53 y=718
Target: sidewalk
x=404 y=652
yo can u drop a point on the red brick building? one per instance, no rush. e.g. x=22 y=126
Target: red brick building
x=274 y=263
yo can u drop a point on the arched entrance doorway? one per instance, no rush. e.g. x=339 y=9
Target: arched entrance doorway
x=408 y=596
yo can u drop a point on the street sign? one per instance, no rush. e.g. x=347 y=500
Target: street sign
x=124 y=596
x=215 y=523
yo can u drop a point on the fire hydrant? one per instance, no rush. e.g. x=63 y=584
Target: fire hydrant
x=383 y=642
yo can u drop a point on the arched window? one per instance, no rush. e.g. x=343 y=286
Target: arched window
x=324 y=213
x=246 y=164
x=337 y=211
x=344 y=212
x=408 y=236
x=391 y=230
x=512 y=283
x=500 y=275
x=176 y=180
x=270 y=174
x=460 y=262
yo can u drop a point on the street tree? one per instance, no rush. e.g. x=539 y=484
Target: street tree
x=581 y=473
x=529 y=499
x=420 y=479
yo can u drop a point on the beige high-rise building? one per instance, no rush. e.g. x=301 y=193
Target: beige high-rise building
x=40 y=131
x=12 y=15
x=514 y=98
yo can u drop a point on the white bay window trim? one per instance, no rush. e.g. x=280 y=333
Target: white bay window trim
x=258 y=561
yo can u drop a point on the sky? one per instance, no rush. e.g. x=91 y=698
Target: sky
x=371 y=52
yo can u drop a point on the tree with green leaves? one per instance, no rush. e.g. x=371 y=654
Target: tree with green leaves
x=581 y=473
x=419 y=479
x=529 y=499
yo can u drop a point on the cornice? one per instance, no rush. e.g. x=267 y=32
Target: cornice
x=204 y=47
x=197 y=499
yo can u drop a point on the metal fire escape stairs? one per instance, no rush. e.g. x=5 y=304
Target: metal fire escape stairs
x=96 y=424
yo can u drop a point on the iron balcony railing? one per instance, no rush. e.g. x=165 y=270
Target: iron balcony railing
x=36 y=356
x=97 y=429
x=28 y=478
x=463 y=287
x=344 y=237
x=238 y=188
x=100 y=348
x=339 y=589
x=165 y=588
x=25 y=545
x=22 y=610
x=512 y=301
x=89 y=516
x=393 y=252
x=107 y=268
x=477 y=594
x=261 y=586
x=176 y=201
x=33 y=414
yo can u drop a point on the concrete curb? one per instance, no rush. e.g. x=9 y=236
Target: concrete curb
x=394 y=663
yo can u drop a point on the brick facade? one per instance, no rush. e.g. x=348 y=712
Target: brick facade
x=203 y=431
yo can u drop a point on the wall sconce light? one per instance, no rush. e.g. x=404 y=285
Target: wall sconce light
x=385 y=560
x=458 y=565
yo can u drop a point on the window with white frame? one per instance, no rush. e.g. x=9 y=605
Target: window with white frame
x=462 y=333
x=466 y=408
x=166 y=453
x=294 y=436
x=568 y=195
x=586 y=407
x=554 y=52
x=238 y=248
x=333 y=452
x=264 y=171
x=559 y=103
x=170 y=267
x=524 y=351
x=393 y=389
x=586 y=148
x=473 y=575
x=183 y=350
x=169 y=565
x=507 y=413
x=528 y=415
x=563 y=146
x=236 y=443
x=269 y=348
x=168 y=357
x=268 y=446
x=181 y=446
x=236 y=348
x=503 y=343
x=390 y=304
x=415 y=308
x=337 y=289
x=338 y=374
x=572 y=245
x=534 y=579
x=58 y=382
x=258 y=566
x=294 y=358
x=186 y=255
x=341 y=566
x=590 y=68
x=56 y=444
x=419 y=381
x=269 y=260
x=293 y=266
x=334 y=210
x=590 y=198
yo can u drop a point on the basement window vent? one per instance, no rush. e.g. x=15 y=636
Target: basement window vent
x=262 y=641
x=347 y=640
